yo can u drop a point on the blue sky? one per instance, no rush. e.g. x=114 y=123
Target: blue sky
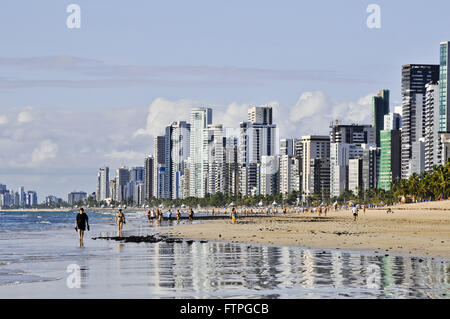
x=130 y=56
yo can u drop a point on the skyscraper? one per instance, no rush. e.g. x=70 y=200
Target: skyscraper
x=213 y=146
x=380 y=105
x=444 y=108
x=431 y=125
x=414 y=79
x=159 y=155
x=122 y=180
x=148 y=182
x=390 y=163
x=315 y=147
x=200 y=119
x=177 y=153
x=103 y=184
x=260 y=114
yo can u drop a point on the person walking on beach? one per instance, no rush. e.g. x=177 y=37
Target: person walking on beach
x=191 y=214
x=149 y=216
x=120 y=219
x=178 y=215
x=355 y=213
x=81 y=221
x=169 y=215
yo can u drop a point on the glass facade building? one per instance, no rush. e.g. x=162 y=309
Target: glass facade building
x=444 y=116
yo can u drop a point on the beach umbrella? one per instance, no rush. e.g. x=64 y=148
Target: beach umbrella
x=274 y=203
x=231 y=204
x=260 y=203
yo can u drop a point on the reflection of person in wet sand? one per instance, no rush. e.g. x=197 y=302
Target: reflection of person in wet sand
x=81 y=221
x=120 y=218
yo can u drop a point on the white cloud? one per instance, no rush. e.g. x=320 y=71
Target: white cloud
x=309 y=104
x=3 y=119
x=163 y=112
x=45 y=151
x=25 y=116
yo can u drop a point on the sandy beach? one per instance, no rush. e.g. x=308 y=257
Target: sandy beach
x=413 y=230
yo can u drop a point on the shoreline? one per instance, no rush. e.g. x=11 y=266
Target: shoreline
x=412 y=232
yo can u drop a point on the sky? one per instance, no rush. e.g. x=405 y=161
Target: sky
x=73 y=100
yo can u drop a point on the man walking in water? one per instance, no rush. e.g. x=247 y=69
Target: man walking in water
x=81 y=221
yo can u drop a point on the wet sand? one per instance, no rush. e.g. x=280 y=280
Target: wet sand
x=412 y=230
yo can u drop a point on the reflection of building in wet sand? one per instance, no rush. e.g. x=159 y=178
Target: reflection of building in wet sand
x=228 y=269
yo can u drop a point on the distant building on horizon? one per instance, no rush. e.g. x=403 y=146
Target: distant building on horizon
x=75 y=197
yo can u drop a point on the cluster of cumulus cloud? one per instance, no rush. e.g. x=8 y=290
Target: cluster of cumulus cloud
x=42 y=138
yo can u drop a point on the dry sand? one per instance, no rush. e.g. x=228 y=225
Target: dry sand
x=413 y=229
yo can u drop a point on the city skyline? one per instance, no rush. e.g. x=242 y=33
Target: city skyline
x=64 y=113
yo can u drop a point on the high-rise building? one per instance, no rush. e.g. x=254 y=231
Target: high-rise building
x=287 y=147
x=355 y=175
x=103 y=184
x=315 y=147
x=390 y=158
x=269 y=175
x=444 y=108
x=431 y=125
x=289 y=174
x=200 y=119
x=417 y=165
x=380 y=107
x=213 y=148
x=31 y=199
x=231 y=172
x=177 y=153
x=414 y=80
x=75 y=197
x=122 y=180
x=260 y=114
x=159 y=155
x=346 y=144
x=392 y=121
x=22 y=196
x=371 y=166
x=113 y=189
x=352 y=134
x=149 y=171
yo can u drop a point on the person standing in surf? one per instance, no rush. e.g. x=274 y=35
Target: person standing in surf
x=81 y=221
x=120 y=218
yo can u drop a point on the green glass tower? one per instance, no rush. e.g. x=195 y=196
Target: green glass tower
x=380 y=104
x=390 y=158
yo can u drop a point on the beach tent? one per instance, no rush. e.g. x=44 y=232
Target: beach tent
x=231 y=204
x=161 y=205
x=260 y=203
x=274 y=203
x=183 y=206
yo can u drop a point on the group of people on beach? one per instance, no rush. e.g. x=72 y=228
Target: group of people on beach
x=157 y=215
